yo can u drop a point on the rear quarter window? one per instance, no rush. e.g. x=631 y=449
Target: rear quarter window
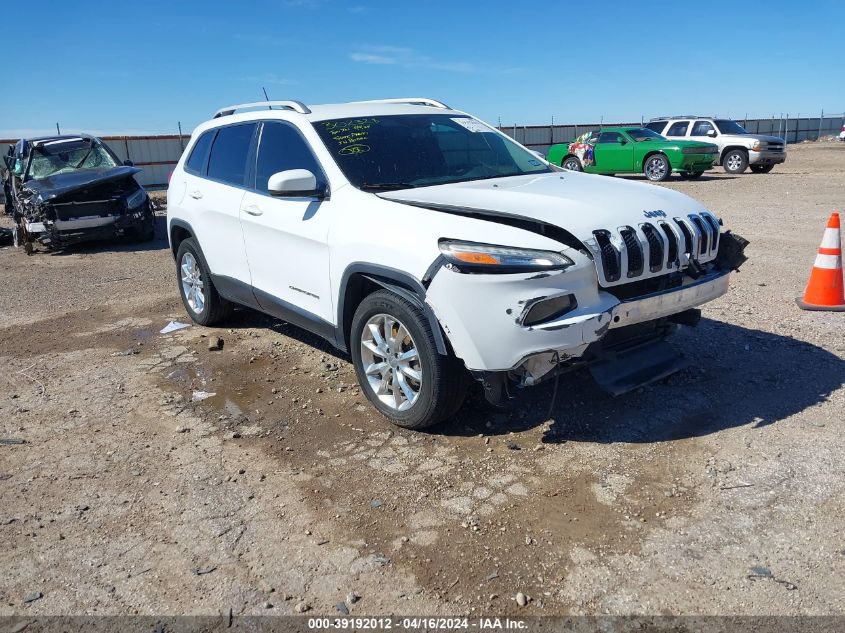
x=229 y=151
x=197 y=160
x=656 y=126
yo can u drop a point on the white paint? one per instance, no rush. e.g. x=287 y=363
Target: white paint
x=828 y=261
x=830 y=239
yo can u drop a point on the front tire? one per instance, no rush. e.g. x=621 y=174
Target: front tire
x=398 y=366
x=657 y=168
x=735 y=161
x=762 y=169
x=571 y=163
x=199 y=296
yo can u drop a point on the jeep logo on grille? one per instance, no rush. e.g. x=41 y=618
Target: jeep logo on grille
x=654 y=214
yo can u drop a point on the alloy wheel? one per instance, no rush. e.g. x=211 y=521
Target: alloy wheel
x=391 y=362
x=192 y=283
x=734 y=162
x=655 y=168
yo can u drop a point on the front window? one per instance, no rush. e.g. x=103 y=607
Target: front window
x=726 y=126
x=701 y=128
x=641 y=134
x=418 y=150
x=63 y=156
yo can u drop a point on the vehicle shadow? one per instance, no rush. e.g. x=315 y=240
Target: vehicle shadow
x=115 y=245
x=749 y=377
x=675 y=178
x=246 y=318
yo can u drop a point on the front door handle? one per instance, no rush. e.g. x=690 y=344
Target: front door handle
x=253 y=210
x=196 y=195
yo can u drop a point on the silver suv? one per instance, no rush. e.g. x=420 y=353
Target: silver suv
x=738 y=149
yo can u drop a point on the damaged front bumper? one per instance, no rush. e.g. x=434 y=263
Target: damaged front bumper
x=73 y=230
x=483 y=315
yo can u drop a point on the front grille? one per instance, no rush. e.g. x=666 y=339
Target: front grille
x=655 y=247
x=73 y=210
x=622 y=254
x=775 y=147
x=610 y=260
x=704 y=234
x=635 y=251
x=672 y=240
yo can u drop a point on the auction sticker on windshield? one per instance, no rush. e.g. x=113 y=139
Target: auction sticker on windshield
x=471 y=124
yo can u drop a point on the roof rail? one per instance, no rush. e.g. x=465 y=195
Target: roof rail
x=677 y=116
x=296 y=106
x=411 y=101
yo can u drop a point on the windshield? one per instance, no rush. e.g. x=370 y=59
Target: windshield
x=60 y=157
x=417 y=150
x=727 y=126
x=644 y=134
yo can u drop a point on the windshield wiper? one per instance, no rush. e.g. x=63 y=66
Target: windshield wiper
x=388 y=186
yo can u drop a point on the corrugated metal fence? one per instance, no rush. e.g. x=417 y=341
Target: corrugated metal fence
x=793 y=129
x=157 y=155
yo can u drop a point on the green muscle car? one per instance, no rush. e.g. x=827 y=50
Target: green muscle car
x=630 y=150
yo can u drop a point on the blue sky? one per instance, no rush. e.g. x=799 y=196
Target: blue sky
x=117 y=67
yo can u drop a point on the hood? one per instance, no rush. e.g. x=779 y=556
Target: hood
x=58 y=185
x=577 y=202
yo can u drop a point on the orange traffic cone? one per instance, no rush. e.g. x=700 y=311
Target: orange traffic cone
x=824 y=290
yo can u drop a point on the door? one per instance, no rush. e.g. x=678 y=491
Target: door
x=614 y=153
x=214 y=189
x=286 y=238
x=701 y=132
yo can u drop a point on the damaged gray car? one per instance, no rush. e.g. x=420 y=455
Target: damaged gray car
x=62 y=190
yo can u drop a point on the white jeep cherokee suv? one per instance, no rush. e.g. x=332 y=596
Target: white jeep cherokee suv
x=432 y=248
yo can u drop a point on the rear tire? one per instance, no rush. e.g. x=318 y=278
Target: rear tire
x=571 y=163
x=403 y=362
x=201 y=300
x=762 y=169
x=735 y=161
x=691 y=175
x=657 y=168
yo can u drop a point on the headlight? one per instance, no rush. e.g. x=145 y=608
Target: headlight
x=136 y=199
x=489 y=258
x=758 y=146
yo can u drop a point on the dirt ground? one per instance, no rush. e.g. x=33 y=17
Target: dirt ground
x=719 y=491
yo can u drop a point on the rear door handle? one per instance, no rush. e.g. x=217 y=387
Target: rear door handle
x=253 y=210
x=196 y=195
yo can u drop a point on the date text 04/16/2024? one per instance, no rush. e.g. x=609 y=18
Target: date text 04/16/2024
x=416 y=623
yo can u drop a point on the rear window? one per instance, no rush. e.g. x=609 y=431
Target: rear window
x=229 y=152
x=678 y=129
x=197 y=160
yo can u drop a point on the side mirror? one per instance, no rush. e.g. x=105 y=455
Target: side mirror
x=10 y=162
x=128 y=163
x=711 y=133
x=294 y=183
x=621 y=141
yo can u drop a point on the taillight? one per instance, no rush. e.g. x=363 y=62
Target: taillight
x=170 y=176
